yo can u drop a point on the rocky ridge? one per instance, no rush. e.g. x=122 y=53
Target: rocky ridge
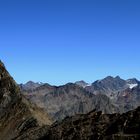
x=17 y=114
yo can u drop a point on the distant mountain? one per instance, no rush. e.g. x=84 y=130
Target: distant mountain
x=120 y=91
x=108 y=85
x=132 y=83
x=30 y=85
x=17 y=114
x=82 y=83
x=69 y=100
x=80 y=97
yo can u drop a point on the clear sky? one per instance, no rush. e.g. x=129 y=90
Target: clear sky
x=60 y=41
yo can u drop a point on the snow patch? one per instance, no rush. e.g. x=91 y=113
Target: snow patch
x=132 y=85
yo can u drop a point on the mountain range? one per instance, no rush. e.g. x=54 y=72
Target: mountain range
x=69 y=112
x=109 y=95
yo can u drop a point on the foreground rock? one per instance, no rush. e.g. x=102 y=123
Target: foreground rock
x=91 y=126
x=97 y=126
x=17 y=115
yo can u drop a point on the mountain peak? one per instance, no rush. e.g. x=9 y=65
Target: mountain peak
x=117 y=77
x=132 y=81
x=30 y=85
x=82 y=83
x=30 y=82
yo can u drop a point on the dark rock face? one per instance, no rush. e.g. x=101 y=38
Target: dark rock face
x=17 y=115
x=98 y=126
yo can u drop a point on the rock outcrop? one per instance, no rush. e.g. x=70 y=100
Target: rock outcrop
x=17 y=114
x=97 y=126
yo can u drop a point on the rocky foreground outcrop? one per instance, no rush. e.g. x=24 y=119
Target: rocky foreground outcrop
x=17 y=115
x=91 y=126
x=97 y=126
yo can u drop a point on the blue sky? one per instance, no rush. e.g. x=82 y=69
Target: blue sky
x=68 y=40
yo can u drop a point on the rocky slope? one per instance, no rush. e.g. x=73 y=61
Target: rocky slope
x=91 y=126
x=17 y=115
x=129 y=98
x=96 y=125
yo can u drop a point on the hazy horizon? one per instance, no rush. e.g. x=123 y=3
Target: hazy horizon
x=57 y=42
